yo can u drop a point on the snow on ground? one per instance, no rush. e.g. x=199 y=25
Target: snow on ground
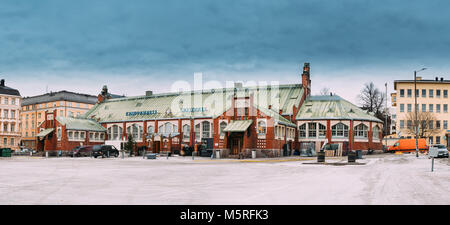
x=384 y=179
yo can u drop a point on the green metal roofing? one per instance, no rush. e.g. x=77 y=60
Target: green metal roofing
x=238 y=125
x=45 y=132
x=195 y=104
x=80 y=124
x=276 y=116
x=332 y=107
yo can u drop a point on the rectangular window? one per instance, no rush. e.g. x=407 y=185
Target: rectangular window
x=409 y=93
x=445 y=93
x=438 y=124
x=424 y=93
x=424 y=107
x=430 y=107
x=402 y=107
x=409 y=124
x=402 y=93
x=438 y=108
x=438 y=140
x=445 y=123
x=445 y=108
x=409 y=107
x=430 y=124
x=312 y=130
x=438 y=93
x=430 y=93
x=402 y=124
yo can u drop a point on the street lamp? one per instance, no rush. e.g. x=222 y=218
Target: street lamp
x=416 y=130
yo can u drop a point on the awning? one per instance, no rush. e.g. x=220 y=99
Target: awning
x=45 y=132
x=238 y=125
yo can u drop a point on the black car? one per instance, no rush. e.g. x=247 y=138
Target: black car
x=81 y=151
x=104 y=151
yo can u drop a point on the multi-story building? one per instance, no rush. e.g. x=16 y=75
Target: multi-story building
x=9 y=117
x=66 y=103
x=433 y=97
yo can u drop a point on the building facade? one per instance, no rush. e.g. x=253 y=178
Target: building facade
x=235 y=120
x=67 y=104
x=10 y=101
x=432 y=97
x=65 y=133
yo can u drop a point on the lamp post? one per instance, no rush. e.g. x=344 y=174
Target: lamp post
x=386 y=118
x=416 y=130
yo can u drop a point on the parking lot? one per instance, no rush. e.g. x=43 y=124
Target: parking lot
x=384 y=179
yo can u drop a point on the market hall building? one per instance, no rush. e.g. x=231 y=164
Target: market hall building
x=235 y=121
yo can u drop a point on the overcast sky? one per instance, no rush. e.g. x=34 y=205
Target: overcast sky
x=134 y=46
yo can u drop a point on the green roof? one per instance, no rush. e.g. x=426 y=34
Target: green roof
x=238 y=125
x=332 y=107
x=195 y=104
x=45 y=132
x=80 y=124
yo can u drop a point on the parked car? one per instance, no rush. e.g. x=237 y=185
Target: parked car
x=80 y=151
x=441 y=150
x=104 y=151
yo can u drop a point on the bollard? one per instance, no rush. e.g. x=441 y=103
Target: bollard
x=145 y=153
x=217 y=154
x=46 y=154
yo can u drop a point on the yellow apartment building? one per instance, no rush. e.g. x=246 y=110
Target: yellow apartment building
x=432 y=96
x=68 y=104
x=10 y=101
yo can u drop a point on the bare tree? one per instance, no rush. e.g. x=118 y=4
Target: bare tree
x=426 y=123
x=372 y=99
x=324 y=91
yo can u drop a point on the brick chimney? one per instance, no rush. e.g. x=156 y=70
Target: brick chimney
x=2 y=82
x=306 y=81
x=103 y=94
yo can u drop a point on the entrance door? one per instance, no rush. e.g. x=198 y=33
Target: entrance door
x=236 y=146
x=156 y=146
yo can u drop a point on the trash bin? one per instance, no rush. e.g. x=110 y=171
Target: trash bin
x=217 y=154
x=6 y=152
x=358 y=154
x=351 y=156
x=151 y=156
x=321 y=156
x=253 y=154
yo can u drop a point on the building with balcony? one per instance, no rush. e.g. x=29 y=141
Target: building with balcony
x=10 y=124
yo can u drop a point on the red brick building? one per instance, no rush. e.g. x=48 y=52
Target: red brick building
x=236 y=120
x=65 y=133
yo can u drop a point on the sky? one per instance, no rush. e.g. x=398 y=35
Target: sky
x=135 y=46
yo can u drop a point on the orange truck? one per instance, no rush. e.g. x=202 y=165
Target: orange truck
x=409 y=145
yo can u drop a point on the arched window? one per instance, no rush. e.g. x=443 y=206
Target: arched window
x=136 y=131
x=197 y=132
x=361 y=131
x=222 y=126
x=168 y=128
x=206 y=127
x=262 y=127
x=186 y=131
x=302 y=131
x=150 y=129
x=339 y=130
x=376 y=132
x=116 y=132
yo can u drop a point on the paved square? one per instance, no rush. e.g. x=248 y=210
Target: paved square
x=384 y=179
